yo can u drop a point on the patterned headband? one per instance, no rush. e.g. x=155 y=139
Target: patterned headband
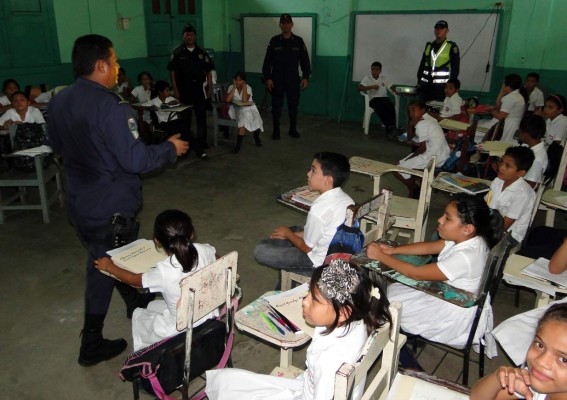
x=338 y=280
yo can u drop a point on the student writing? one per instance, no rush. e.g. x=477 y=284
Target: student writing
x=174 y=232
x=344 y=307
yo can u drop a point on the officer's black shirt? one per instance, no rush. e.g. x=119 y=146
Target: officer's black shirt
x=190 y=67
x=283 y=57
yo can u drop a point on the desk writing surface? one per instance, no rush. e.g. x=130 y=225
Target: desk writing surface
x=286 y=199
x=440 y=184
x=438 y=289
x=493 y=148
x=375 y=168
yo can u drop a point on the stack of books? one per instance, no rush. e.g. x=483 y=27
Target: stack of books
x=465 y=184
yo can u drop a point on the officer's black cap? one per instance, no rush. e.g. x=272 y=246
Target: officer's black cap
x=189 y=28
x=285 y=18
x=442 y=24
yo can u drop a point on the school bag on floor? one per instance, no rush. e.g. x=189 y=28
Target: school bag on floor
x=28 y=136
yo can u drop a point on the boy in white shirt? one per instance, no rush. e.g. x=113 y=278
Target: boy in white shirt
x=376 y=87
x=305 y=249
x=535 y=101
x=532 y=130
x=21 y=112
x=510 y=194
x=452 y=105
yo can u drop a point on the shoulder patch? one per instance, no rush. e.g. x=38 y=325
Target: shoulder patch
x=133 y=126
x=117 y=96
x=455 y=50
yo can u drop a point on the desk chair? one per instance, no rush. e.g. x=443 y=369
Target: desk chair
x=378 y=205
x=489 y=282
x=483 y=161
x=369 y=110
x=221 y=120
x=552 y=198
x=383 y=341
x=39 y=178
x=410 y=214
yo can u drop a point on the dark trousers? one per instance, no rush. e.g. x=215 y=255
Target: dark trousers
x=431 y=91
x=289 y=87
x=385 y=109
x=182 y=126
x=193 y=94
x=542 y=241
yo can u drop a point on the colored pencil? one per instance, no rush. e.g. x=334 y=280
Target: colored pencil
x=271 y=324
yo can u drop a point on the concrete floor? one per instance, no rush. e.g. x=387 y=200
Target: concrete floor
x=231 y=199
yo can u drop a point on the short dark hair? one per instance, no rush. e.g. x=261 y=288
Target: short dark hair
x=335 y=165
x=19 y=92
x=8 y=81
x=533 y=75
x=557 y=312
x=240 y=74
x=141 y=74
x=189 y=28
x=418 y=103
x=533 y=125
x=523 y=157
x=87 y=50
x=513 y=80
x=160 y=86
x=455 y=82
x=376 y=64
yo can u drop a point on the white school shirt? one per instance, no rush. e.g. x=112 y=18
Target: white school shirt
x=452 y=106
x=516 y=202
x=158 y=320
x=163 y=116
x=382 y=90
x=4 y=100
x=535 y=100
x=141 y=94
x=33 y=115
x=326 y=214
x=429 y=131
x=535 y=173
x=556 y=129
x=513 y=104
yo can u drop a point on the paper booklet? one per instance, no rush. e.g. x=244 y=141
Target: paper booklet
x=466 y=184
x=539 y=269
x=454 y=125
x=407 y=387
x=289 y=303
x=137 y=257
x=241 y=103
x=305 y=196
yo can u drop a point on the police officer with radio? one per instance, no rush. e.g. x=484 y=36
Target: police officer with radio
x=189 y=67
x=286 y=52
x=94 y=131
x=439 y=63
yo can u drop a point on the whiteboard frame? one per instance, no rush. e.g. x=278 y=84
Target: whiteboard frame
x=494 y=60
x=311 y=48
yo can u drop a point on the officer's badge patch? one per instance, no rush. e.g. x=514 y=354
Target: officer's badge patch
x=207 y=59
x=455 y=50
x=133 y=127
x=200 y=56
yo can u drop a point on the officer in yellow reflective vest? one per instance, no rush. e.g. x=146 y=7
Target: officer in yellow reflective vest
x=439 y=63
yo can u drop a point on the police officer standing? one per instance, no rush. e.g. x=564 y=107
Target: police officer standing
x=94 y=131
x=189 y=67
x=286 y=52
x=440 y=62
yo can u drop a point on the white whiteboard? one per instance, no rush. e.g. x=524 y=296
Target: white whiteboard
x=259 y=30
x=398 y=41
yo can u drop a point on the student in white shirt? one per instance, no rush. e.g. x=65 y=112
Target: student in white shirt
x=535 y=101
x=143 y=92
x=556 y=121
x=8 y=88
x=510 y=106
x=452 y=105
x=20 y=112
x=376 y=87
x=532 y=130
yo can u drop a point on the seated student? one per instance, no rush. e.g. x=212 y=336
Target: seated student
x=171 y=123
x=543 y=376
x=174 y=232
x=555 y=119
x=21 y=112
x=510 y=106
x=510 y=194
x=123 y=85
x=376 y=87
x=430 y=137
x=344 y=307
x=535 y=99
x=249 y=118
x=532 y=130
x=452 y=103
x=8 y=88
x=306 y=248
x=468 y=230
x=143 y=92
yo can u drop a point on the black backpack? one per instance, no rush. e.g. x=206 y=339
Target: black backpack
x=29 y=136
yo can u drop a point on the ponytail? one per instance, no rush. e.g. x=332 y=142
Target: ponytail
x=473 y=210
x=174 y=230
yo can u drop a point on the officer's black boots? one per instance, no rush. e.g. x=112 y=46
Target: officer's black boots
x=257 y=138
x=132 y=298
x=276 y=132
x=293 y=128
x=94 y=348
x=239 y=139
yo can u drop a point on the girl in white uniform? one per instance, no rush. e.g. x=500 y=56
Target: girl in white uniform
x=467 y=230
x=21 y=112
x=344 y=308
x=556 y=121
x=545 y=375
x=143 y=92
x=173 y=231
x=510 y=106
x=249 y=118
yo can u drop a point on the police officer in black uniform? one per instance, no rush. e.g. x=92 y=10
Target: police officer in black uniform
x=94 y=131
x=440 y=62
x=286 y=52
x=189 y=67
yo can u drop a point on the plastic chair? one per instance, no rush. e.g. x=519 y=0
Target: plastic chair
x=367 y=113
x=552 y=198
x=489 y=282
x=383 y=341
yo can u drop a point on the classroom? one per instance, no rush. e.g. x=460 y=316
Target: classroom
x=232 y=198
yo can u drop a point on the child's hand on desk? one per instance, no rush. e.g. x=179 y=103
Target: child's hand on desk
x=104 y=264
x=377 y=251
x=281 y=232
x=515 y=380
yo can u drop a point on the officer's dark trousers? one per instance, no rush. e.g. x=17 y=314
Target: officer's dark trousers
x=385 y=109
x=196 y=97
x=181 y=126
x=289 y=87
x=431 y=91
